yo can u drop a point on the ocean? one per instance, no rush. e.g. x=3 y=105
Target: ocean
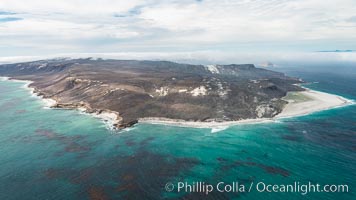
x=64 y=154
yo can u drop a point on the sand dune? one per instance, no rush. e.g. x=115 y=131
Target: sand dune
x=299 y=103
x=310 y=101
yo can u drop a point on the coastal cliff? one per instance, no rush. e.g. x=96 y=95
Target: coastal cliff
x=133 y=89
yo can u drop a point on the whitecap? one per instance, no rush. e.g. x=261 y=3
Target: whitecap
x=218 y=129
x=4 y=78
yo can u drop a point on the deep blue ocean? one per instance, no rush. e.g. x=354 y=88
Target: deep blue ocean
x=63 y=154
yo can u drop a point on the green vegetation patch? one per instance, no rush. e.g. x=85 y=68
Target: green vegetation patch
x=297 y=97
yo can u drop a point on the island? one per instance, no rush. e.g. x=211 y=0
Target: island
x=129 y=91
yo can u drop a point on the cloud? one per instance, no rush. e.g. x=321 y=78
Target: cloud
x=5 y=17
x=76 y=7
x=213 y=57
x=60 y=26
x=9 y=19
x=6 y=13
x=351 y=19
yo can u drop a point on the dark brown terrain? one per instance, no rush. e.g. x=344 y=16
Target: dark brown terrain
x=138 y=89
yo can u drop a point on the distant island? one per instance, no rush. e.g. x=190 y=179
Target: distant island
x=337 y=51
x=129 y=91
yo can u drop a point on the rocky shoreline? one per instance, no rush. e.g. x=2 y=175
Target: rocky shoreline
x=319 y=101
x=113 y=118
x=127 y=90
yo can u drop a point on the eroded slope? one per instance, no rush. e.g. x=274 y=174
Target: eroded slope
x=138 y=89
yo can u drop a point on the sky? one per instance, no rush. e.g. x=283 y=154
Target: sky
x=170 y=28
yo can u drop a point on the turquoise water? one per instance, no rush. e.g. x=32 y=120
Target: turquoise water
x=62 y=154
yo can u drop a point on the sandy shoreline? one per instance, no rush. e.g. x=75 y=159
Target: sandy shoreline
x=316 y=101
x=214 y=126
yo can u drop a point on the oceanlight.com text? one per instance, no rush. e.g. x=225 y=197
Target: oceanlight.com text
x=236 y=187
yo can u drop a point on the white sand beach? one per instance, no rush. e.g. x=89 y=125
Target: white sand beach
x=310 y=101
x=213 y=124
x=299 y=103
